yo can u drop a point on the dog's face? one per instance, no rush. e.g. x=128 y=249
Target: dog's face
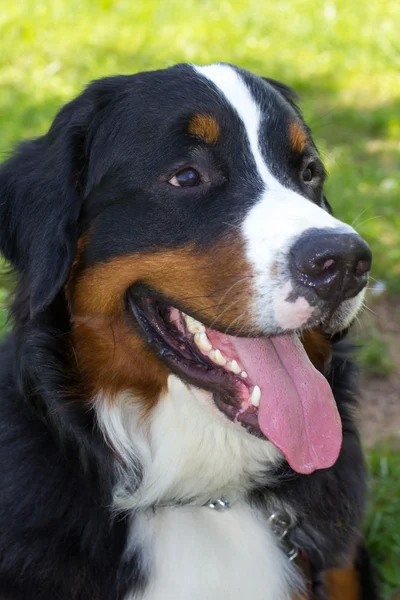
x=206 y=249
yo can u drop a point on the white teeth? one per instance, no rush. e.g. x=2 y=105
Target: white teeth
x=244 y=374
x=217 y=357
x=234 y=367
x=202 y=342
x=255 y=396
x=193 y=325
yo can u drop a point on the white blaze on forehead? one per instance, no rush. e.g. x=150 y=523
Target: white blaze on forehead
x=289 y=211
x=232 y=86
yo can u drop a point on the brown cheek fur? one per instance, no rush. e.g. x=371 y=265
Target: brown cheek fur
x=214 y=285
x=205 y=127
x=298 y=137
x=318 y=348
x=342 y=584
x=112 y=358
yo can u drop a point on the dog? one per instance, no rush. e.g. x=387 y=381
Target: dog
x=176 y=393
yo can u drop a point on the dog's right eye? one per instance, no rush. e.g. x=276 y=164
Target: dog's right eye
x=188 y=177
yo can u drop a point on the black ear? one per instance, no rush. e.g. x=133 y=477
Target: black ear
x=286 y=92
x=40 y=201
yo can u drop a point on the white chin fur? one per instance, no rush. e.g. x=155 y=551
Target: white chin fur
x=347 y=312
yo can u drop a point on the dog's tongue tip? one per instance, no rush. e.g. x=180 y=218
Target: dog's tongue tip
x=297 y=412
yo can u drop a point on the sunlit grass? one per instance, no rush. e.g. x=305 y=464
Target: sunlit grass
x=383 y=520
x=343 y=58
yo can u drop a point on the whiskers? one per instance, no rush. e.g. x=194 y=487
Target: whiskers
x=356 y=220
x=230 y=296
x=364 y=306
x=228 y=307
x=353 y=224
x=237 y=320
x=234 y=285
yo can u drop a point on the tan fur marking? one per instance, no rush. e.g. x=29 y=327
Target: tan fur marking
x=212 y=285
x=297 y=136
x=342 y=584
x=112 y=358
x=317 y=347
x=205 y=127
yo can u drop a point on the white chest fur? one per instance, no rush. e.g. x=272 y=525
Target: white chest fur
x=196 y=553
x=190 y=453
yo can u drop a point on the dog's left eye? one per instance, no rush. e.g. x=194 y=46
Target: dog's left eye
x=186 y=178
x=308 y=173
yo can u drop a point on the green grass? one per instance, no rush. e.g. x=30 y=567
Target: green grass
x=374 y=354
x=344 y=59
x=3 y=312
x=383 y=520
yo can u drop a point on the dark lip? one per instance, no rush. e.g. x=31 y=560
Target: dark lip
x=182 y=358
x=177 y=351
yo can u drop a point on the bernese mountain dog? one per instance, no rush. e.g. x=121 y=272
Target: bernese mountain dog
x=176 y=397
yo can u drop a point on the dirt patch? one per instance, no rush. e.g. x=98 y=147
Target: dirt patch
x=380 y=401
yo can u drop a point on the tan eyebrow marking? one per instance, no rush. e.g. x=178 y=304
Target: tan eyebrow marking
x=297 y=136
x=205 y=127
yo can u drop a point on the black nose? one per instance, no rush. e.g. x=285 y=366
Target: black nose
x=334 y=264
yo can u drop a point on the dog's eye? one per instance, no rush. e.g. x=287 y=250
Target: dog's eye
x=308 y=173
x=186 y=178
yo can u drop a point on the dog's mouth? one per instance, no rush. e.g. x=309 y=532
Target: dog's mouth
x=266 y=384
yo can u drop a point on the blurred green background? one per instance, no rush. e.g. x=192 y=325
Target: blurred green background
x=342 y=57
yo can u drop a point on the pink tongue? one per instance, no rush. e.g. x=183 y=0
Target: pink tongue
x=298 y=412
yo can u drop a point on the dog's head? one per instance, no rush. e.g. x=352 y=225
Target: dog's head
x=181 y=215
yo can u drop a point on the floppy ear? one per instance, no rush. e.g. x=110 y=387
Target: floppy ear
x=40 y=201
x=288 y=93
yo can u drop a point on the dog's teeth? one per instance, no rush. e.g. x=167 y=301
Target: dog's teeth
x=255 y=396
x=194 y=326
x=234 y=367
x=217 y=357
x=244 y=374
x=202 y=341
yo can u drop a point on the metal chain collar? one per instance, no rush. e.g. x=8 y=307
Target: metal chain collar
x=280 y=523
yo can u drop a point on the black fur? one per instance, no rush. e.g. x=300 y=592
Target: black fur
x=366 y=574
x=58 y=538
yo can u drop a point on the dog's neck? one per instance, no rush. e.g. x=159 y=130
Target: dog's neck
x=184 y=452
